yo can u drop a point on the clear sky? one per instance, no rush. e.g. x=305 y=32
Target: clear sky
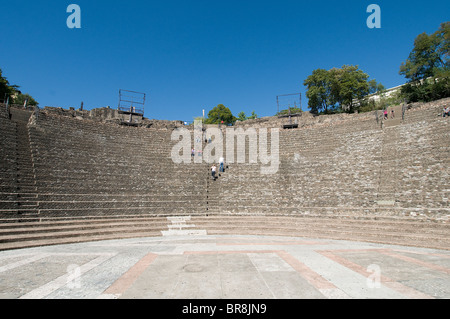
x=190 y=55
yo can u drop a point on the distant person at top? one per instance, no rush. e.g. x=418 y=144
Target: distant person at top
x=221 y=163
x=392 y=113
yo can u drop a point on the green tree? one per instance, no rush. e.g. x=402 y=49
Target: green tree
x=21 y=98
x=318 y=90
x=375 y=87
x=428 y=66
x=220 y=113
x=338 y=89
x=12 y=91
x=351 y=85
x=242 y=116
x=430 y=54
x=6 y=89
x=253 y=116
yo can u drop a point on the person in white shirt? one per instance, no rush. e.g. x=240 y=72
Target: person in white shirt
x=213 y=171
x=446 y=111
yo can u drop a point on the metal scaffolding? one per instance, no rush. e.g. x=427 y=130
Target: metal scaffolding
x=131 y=102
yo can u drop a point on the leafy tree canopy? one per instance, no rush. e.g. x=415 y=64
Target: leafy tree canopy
x=253 y=116
x=220 y=113
x=21 y=98
x=428 y=67
x=242 y=116
x=338 y=89
x=12 y=91
x=429 y=55
x=5 y=88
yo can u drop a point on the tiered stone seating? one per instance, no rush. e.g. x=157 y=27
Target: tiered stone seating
x=321 y=167
x=348 y=168
x=415 y=158
x=340 y=177
x=349 y=180
x=87 y=169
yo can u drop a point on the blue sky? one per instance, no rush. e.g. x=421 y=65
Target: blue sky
x=192 y=55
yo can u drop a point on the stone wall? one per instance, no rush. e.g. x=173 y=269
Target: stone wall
x=304 y=120
x=109 y=115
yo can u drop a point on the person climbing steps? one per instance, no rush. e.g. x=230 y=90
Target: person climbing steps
x=213 y=171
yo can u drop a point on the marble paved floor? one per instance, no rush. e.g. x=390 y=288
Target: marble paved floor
x=224 y=267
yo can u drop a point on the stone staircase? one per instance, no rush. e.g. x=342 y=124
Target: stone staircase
x=213 y=193
x=27 y=192
x=388 y=175
x=393 y=120
x=8 y=165
x=178 y=227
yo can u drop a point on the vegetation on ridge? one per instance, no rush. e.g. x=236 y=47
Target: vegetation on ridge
x=428 y=67
x=13 y=93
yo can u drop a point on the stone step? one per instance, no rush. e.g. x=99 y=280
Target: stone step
x=78 y=233
x=28 y=204
x=433 y=238
x=26 y=188
x=19 y=230
x=13 y=234
x=183 y=232
x=28 y=212
x=373 y=230
x=99 y=211
x=350 y=224
x=75 y=239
